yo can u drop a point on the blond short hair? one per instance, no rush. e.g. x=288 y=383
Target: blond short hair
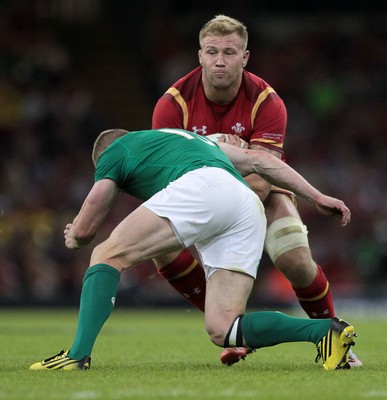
x=105 y=139
x=222 y=25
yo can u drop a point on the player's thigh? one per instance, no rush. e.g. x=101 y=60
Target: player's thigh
x=142 y=235
x=227 y=293
x=279 y=205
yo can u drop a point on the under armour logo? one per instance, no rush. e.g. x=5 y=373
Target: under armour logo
x=113 y=300
x=200 y=131
x=238 y=128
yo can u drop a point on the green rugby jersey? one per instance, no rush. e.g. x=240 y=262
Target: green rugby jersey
x=145 y=162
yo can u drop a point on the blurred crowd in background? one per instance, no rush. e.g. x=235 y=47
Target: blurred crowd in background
x=70 y=69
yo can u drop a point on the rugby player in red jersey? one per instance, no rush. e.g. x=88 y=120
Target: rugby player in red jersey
x=220 y=96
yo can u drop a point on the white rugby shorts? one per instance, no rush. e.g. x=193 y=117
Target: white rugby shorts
x=216 y=214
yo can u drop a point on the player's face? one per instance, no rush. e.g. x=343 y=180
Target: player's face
x=222 y=58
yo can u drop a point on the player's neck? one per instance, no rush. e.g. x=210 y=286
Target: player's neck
x=221 y=95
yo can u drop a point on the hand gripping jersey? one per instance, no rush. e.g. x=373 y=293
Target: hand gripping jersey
x=257 y=114
x=145 y=162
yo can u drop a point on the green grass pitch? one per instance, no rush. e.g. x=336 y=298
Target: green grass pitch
x=165 y=354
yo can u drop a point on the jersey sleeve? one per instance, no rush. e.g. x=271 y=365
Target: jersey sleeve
x=270 y=130
x=167 y=113
x=269 y=126
x=106 y=169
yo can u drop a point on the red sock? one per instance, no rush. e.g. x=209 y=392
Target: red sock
x=186 y=276
x=316 y=299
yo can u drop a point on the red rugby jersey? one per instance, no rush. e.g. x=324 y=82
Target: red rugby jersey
x=258 y=115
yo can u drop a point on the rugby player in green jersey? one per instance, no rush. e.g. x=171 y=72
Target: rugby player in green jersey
x=194 y=198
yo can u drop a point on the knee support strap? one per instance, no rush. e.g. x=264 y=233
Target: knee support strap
x=285 y=234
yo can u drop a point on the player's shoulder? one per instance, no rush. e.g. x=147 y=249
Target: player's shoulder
x=255 y=81
x=192 y=76
x=186 y=87
x=255 y=87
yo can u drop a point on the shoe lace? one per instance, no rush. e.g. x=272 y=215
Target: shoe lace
x=318 y=357
x=60 y=354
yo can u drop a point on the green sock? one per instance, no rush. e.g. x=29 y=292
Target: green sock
x=268 y=328
x=97 y=301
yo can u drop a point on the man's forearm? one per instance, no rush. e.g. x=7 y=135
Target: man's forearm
x=280 y=174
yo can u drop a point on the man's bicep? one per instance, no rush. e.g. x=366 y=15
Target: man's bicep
x=269 y=128
x=270 y=120
x=104 y=190
x=97 y=205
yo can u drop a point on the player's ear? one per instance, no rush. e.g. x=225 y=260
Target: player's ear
x=200 y=57
x=246 y=56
